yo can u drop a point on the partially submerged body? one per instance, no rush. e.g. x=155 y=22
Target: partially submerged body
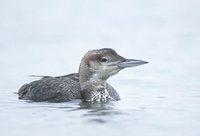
x=57 y=89
x=89 y=84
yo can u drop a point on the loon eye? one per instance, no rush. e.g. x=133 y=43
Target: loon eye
x=104 y=60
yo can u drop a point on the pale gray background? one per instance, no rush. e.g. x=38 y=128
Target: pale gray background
x=49 y=37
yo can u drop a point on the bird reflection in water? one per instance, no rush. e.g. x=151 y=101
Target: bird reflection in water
x=99 y=112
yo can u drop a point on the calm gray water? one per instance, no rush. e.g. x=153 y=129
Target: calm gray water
x=49 y=37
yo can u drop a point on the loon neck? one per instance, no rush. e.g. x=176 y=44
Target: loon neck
x=89 y=78
x=92 y=84
x=96 y=93
x=94 y=90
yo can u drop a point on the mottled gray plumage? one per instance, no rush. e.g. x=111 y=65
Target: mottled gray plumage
x=89 y=84
x=57 y=89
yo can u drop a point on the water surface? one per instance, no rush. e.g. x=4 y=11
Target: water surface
x=161 y=98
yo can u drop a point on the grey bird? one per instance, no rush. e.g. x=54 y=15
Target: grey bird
x=89 y=84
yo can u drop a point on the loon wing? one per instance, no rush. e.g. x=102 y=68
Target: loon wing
x=41 y=76
x=52 y=89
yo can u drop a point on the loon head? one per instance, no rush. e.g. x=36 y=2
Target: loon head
x=97 y=66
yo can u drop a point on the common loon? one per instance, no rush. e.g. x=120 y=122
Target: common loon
x=89 y=84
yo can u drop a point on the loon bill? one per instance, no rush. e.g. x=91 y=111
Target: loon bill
x=89 y=84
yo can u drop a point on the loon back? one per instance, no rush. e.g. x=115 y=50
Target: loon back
x=57 y=89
